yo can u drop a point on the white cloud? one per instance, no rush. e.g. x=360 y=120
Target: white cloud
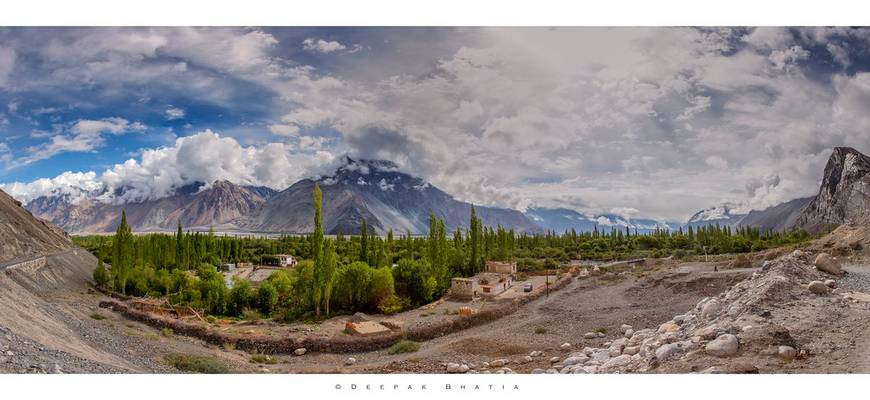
x=173 y=113
x=82 y=136
x=76 y=185
x=323 y=46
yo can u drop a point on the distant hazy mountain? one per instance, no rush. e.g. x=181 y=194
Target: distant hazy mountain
x=192 y=205
x=844 y=196
x=374 y=190
x=561 y=220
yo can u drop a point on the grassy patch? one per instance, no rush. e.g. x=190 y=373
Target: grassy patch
x=540 y=330
x=404 y=346
x=167 y=332
x=601 y=330
x=259 y=358
x=229 y=346
x=98 y=316
x=198 y=364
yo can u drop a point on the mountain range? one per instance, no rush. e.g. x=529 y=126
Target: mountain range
x=378 y=192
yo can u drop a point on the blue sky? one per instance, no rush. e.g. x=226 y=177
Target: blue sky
x=656 y=121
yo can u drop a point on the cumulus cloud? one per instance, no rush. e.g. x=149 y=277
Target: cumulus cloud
x=663 y=120
x=322 y=46
x=76 y=186
x=7 y=62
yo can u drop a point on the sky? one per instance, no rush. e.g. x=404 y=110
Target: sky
x=646 y=122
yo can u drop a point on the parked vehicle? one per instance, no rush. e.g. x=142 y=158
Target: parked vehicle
x=527 y=287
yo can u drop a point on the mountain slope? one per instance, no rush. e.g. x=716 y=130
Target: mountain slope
x=776 y=218
x=844 y=196
x=721 y=215
x=22 y=235
x=191 y=205
x=378 y=192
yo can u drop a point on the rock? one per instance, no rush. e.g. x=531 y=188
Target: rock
x=831 y=283
x=797 y=254
x=818 y=287
x=10 y=353
x=555 y=360
x=56 y=369
x=786 y=353
x=601 y=334
x=300 y=351
x=455 y=368
x=713 y=370
x=625 y=327
x=484 y=364
x=538 y=371
x=350 y=361
x=565 y=346
x=617 y=361
x=631 y=350
x=552 y=371
x=724 y=346
x=536 y=353
x=824 y=262
x=666 y=351
x=764 y=267
x=589 y=335
x=580 y=359
x=710 y=309
x=498 y=363
x=628 y=333
x=668 y=327
x=526 y=360
x=708 y=332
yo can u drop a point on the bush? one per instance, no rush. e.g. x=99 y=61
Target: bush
x=404 y=346
x=101 y=276
x=393 y=304
x=267 y=298
x=259 y=358
x=98 y=316
x=250 y=315
x=198 y=364
x=167 y=332
x=540 y=330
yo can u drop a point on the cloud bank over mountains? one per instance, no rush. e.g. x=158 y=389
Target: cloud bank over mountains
x=657 y=122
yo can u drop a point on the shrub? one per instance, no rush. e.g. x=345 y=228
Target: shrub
x=601 y=330
x=393 y=304
x=98 y=316
x=259 y=358
x=229 y=346
x=198 y=364
x=267 y=298
x=167 y=332
x=250 y=314
x=404 y=346
x=101 y=276
x=540 y=330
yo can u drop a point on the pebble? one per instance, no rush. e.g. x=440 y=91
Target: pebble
x=350 y=361
x=555 y=360
x=538 y=371
x=625 y=327
x=300 y=351
x=565 y=346
x=589 y=335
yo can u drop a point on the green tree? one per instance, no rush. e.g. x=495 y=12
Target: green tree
x=101 y=276
x=267 y=298
x=122 y=255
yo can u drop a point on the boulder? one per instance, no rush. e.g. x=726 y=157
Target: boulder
x=668 y=327
x=601 y=334
x=565 y=346
x=667 y=351
x=589 y=335
x=498 y=363
x=618 y=361
x=830 y=283
x=300 y=351
x=538 y=371
x=454 y=368
x=825 y=263
x=710 y=309
x=723 y=346
x=555 y=360
x=578 y=359
x=708 y=332
x=350 y=361
x=818 y=287
x=631 y=350
x=797 y=254
x=628 y=333
x=625 y=327
x=786 y=353
x=536 y=353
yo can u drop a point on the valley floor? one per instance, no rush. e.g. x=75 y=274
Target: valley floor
x=50 y=329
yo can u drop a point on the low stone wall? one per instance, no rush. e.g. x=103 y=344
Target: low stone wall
x=335 y=344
